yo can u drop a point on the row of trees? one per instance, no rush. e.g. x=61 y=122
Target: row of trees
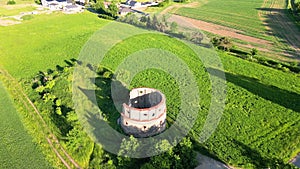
x=162 y=25
x=180 y=156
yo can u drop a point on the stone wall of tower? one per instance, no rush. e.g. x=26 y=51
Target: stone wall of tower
x=146 y=121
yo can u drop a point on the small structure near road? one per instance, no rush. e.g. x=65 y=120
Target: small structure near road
x=67 y=6
x=124 y=11
x=145 y=115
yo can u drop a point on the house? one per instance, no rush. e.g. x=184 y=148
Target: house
x=133 y=4
x=73 y=8
x=66 y=5
x=124 y=11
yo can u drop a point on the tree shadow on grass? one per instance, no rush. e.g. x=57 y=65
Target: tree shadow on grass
x=258 y=160
x=109 y=105
x=274 y=17
x=274 y=94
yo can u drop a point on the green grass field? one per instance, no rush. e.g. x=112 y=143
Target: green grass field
x=45 y=41
x=259 y=125
x=16 y=147
x=42 y=43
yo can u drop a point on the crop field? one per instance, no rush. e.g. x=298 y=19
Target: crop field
x=16 y=147
x=241 y=15
x=261 y=19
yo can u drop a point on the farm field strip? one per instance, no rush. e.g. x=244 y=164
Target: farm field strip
x=250 y=20
x=49 y=136
x=17 y=149
x=241 y=15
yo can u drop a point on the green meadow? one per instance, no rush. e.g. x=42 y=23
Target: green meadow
x=45 y=41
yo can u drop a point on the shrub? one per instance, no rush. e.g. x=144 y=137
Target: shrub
x=11 y=2
x=27 y=17
x=38 y=2
x=104 y=16
x=285 y=69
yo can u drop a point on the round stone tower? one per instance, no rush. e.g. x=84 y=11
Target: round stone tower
x=145 y=115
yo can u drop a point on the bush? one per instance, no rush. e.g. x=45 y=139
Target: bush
x=104 y=16
x=27 y=17
x=11 y=2
x=297 y=6
x=38 y=2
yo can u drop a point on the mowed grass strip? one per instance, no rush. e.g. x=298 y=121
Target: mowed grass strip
x=16 y=147
x=45 y=41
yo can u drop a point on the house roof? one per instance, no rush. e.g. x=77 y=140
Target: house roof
x=125 y=10
x=71 y=6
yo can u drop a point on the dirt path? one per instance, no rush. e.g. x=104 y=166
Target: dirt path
x=49 y=136
x=4 y=22
x=274 y=11
x=216 y=29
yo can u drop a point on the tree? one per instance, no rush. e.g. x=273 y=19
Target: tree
x=100 y=159
x=253 y=52
x=174 y=27
x=197 y=37
x=155 y=23
x=113 y=10
x=127 y=148
x=297 y=6
x=180 y=156
x=223 y=43
x=148 y=22
x=99 y=7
